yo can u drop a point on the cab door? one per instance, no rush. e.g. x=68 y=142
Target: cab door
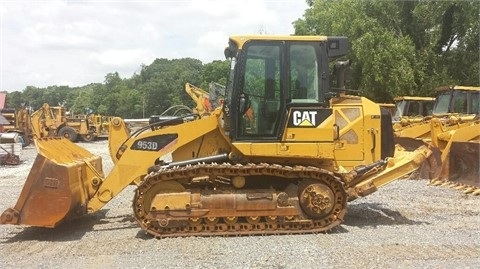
x=259 y=93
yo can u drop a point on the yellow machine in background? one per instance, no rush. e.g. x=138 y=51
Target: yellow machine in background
x=19 y=122
x=453 y=105
x=52 y=121
x=282 y=154
x=453 y=130
x=205 y=103
x=99 y=125
x=460 y=157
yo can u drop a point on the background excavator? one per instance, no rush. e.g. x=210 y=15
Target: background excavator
x=283 y=153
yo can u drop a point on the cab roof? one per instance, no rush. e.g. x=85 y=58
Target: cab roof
x=458 y=87
x=414 y=98
x=241 y=39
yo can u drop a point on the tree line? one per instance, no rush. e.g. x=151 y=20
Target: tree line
x=151 y=91
x=397 y=48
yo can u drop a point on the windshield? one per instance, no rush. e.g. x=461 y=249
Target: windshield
x=400 y=108
x=462 y=102
x=442 y=103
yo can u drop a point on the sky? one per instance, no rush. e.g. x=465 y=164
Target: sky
x=77 y=42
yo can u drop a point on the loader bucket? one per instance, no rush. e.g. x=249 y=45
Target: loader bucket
x=461 y=166
x=58 y=186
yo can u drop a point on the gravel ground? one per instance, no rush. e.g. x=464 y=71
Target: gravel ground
x=406 y=224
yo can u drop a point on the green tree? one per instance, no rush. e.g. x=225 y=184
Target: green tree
x=34 y=97
x=401 y=47
x=114 y=97
x=216 y=71
x=161 y=84
x=82 y=103
x=15 y=99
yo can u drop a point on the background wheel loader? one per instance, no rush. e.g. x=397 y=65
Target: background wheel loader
x=454 y=106
x=460 y=157
x=453 y=130
x=283 y=154
x=51 y=121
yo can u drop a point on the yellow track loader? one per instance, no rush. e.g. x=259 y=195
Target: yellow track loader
x=283 y=154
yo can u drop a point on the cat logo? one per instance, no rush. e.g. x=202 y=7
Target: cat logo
x=304 y=118
x=308 y=117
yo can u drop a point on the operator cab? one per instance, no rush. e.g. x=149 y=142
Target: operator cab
x=270 y=76
x=412 y=106
x=457 y=99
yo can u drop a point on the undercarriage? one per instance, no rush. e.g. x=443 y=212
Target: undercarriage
x=232 y=200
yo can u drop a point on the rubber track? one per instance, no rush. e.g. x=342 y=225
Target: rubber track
x=295 y=225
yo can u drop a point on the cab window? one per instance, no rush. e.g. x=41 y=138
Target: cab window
x=460 y=104
x=413 y=109
x=303 y=73
x=442 y=104
x=475 y=103
x=261 y=90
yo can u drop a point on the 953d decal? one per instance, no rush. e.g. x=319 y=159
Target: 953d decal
x=154 y=143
